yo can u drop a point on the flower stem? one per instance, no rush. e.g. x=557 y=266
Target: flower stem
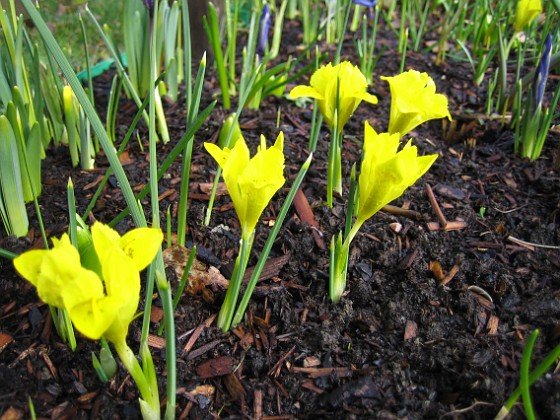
x=149 y=395
x=225 y=316
x=269 y=242
x=338 y=272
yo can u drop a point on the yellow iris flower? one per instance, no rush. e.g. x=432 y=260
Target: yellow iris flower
x=98 y=306
x=413 y=101
x=526 y=11
x=352 y=89
x=386 y=173
x=251 y=182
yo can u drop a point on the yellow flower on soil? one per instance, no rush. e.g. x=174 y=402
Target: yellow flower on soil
x=413 y=101
x=526 y=11
x=344 y=80
x=386 y=173
x=97 y=306
x=251 y=182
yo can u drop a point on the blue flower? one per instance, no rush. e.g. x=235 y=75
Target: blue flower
x=541 y=75
x=264 y=27
x=365 y=3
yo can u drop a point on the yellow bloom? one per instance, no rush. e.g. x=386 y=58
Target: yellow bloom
x=526 y=11
x=251 y=182
x=97 y=306
x=352 y=89
x=386 y=173
x=413 y=101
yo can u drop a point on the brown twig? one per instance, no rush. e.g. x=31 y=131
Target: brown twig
x=435 y=205
x=399 y=211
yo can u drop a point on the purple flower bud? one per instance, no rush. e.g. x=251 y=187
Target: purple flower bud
x=365 y=3
x=264 y=27
x=541 y=74
x=149 y=5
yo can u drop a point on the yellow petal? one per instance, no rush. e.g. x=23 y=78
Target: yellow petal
x=343 y=81
x=386 y=173
x=84 y=286
x=526 y=11
x=305 y=91
x=218 y=154
x=251 y=182
x=104 y=239
x=413 y=101
x=59 y=265
x=94 y=317
x=261 y=178
x=122 y=282
x=141 y=245
x=28 y=264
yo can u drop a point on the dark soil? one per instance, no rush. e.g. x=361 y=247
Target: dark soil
x=409 y=339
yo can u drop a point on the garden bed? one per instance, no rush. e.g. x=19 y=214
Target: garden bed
x=438 y=305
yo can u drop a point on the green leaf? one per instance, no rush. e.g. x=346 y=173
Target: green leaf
x=12 y=206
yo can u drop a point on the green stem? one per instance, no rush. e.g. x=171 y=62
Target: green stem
x=170 y=353
x=7 y=254
x=270 y=241
x=539 y=371
x=524 y=375
x=342 y=32
x=225 y=316
x=132 y=366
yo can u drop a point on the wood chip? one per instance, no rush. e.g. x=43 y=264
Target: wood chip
x=435 y=205
x=203 y=349
x=212 y=368
x=410 y=330
x=305 y=213
x=454 y=270
x=197 y=333
x=234 y=386
x=436 y=270
x=206 y=188
x=257 y=404
x=321 y=372
x=5 y=339
x=48 y=362
x=453 y=225
x=12 y=413
x=310 y=385
x=311 y=361
x=492 y=325
x=156 y=314
x=156 y=341
x=87 y=397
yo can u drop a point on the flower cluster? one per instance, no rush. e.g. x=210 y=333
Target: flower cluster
x=385 y=172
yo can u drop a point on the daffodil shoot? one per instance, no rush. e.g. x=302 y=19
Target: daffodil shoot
x=251 y=182
x=102 y=297
x=338 y=91
x=385 y=175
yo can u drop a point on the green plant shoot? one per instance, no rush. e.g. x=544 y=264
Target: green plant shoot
x=251 y=183
x=338 y=90
x=101 y=297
